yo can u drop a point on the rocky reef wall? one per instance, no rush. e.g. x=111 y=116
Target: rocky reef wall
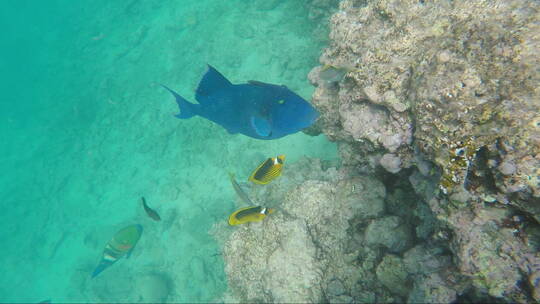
x=340 y=237
x=435 y=108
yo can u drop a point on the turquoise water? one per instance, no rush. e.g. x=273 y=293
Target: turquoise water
x=86 y=132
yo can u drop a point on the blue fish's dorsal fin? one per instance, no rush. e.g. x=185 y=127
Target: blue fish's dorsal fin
x=264 y=84
x=211 y=82
x=261 y=126
x=258 y=83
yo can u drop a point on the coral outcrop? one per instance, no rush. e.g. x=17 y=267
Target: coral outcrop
x=448 y=90
x=438 y=101
x=331 y=239
x=462 y=75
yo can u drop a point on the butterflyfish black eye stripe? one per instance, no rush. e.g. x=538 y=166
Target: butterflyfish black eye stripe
x=249 y=214
x=263 y=170
x=248 y=211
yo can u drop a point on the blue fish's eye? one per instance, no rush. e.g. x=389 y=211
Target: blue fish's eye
x=281 y=101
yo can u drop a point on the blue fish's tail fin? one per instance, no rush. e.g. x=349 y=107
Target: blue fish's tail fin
x=187 y=109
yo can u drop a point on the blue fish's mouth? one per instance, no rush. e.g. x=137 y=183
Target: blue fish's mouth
x=312 y=117
x=307 y=119
x=315 y=116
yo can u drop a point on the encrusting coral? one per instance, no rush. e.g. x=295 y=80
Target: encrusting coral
x=438 y=101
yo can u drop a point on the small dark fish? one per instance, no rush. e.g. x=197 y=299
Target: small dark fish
x=151 y=212
x=243 y=196
x=332 y=74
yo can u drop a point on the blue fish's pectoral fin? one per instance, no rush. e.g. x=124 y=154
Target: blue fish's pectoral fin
x=187 y=109
x=261 y=126
x=211 y=82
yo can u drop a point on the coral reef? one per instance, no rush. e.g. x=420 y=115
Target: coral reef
x=438 y=102
x=331 y=239
x=460 y=76
x=463 y=77
x=301 y=252
x=450 y=88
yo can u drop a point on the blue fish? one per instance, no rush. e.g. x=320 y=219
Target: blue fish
x=255 y=109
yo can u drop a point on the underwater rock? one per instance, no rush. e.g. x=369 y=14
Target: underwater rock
x=368 y=206
x=534 y=281
x=341 y=299
x=391 y=272
x=390 y=232
x=507 y=168
x=428 y=222
x=469 y=82
x=362 y=121
x=391 y=162
x=494 y=258
x=432 y=289
x=255 y=261
x=423 y=260
x=300 y=253
x=298 y=281
x=462 y=78
x=335 y=288
x=425 y=186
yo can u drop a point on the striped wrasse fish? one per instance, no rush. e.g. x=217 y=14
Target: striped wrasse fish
x=120 y=245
